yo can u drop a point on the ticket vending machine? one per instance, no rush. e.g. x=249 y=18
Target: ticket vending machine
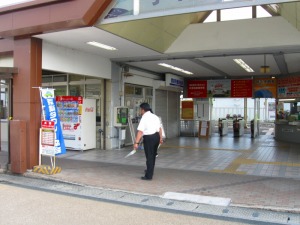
x=121 y=122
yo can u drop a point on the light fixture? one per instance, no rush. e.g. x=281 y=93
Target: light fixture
x=265 y=68
x=244 y=65
x=99 y=45
x=287 y=100
x=175 y=68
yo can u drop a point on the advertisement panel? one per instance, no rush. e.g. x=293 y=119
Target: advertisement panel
x=51 y=113
x=70 y=110
x=219 y=88
x=288 y=87
x=241 y=89
x=265 y=88
x=197 y=89
x=47 y=138
x=187 y=108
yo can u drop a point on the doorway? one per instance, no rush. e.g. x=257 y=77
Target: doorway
x=5 y=116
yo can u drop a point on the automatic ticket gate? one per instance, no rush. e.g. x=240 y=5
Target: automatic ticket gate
x=223 y=126
x=238 y=127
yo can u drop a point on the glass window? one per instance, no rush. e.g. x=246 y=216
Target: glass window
x=76 y=78
x=47 y=79
x=129 y=90
x=76 y=90
x=236 y=14
x=60 y=90
x=261 y=12
x=60 y=78
x=211 y=18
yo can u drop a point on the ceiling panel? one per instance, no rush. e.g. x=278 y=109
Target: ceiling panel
x=227 y=65
x=198 y=70
x=77 y=38
x=293 y=62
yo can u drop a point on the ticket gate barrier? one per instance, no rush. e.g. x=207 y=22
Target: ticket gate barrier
x=223 y=126
x=238 y=127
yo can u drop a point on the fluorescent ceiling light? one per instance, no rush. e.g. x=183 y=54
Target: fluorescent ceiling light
x=244 y=65
x=287 y=100
x=175 y=68
x=99 y=45
x=6 y=3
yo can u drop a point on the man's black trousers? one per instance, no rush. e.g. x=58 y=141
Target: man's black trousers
x=151 y=143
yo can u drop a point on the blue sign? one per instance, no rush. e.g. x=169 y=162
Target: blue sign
x=177 y=83
x=51 y=113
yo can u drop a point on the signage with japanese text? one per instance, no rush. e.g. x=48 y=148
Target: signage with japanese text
x=288 y=87
x=241 y=89
x=187 y=110
x=265 y=88
x=51 y=114
x=197 y=89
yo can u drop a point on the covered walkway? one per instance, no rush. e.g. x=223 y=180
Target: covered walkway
x=261 y=173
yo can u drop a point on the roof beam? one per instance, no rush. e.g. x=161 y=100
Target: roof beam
x=210 y=67
x=281 y=63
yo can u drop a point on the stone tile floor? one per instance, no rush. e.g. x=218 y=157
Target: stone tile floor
x=259 y=172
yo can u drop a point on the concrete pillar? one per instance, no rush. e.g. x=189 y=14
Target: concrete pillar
x=26 y=100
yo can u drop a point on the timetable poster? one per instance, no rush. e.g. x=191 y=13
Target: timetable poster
x=288 y=87
x=241 y=88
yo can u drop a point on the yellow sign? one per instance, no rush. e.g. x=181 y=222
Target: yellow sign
x=187 y=108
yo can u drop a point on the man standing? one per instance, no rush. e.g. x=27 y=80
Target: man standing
x=150 y=129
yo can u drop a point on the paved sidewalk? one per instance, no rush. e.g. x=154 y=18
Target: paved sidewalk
x=226 y=213
x=245 y=190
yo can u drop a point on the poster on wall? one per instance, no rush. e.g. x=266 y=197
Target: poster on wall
x=187 y=108
x=218 y=88
x=288 y=87
x=265 y=88
x=241 y=88
x=197 y=89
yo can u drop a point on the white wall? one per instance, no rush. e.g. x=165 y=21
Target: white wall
x=62 y=59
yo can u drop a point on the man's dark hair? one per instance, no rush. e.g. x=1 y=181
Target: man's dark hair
x=146 y=107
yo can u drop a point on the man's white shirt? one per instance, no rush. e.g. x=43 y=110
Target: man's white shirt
x=149 y=123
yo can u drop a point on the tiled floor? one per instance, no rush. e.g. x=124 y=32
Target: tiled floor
x=263 y=156
x=252 y=172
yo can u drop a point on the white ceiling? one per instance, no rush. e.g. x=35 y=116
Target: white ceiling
x=215 y=63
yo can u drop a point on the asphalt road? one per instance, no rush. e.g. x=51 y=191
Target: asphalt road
x=21 y=206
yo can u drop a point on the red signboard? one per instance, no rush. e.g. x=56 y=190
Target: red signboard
x=197 y=89
x=48 y=124
x=241 y=88
x=78 y=99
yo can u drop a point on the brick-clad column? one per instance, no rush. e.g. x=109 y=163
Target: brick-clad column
x=26 y=99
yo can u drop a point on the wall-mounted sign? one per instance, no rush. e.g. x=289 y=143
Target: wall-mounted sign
x=174 y=81
x=197 y=89
x=241 y=88
x=219 y=88
x=288 y=87
x=187 y=110
x=265 y=88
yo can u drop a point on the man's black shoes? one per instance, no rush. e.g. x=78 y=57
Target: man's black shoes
x=146 y=178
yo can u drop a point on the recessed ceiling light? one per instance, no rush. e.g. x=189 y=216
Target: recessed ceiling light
x=175 y=68
x=99 y=45
x=244 y=65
